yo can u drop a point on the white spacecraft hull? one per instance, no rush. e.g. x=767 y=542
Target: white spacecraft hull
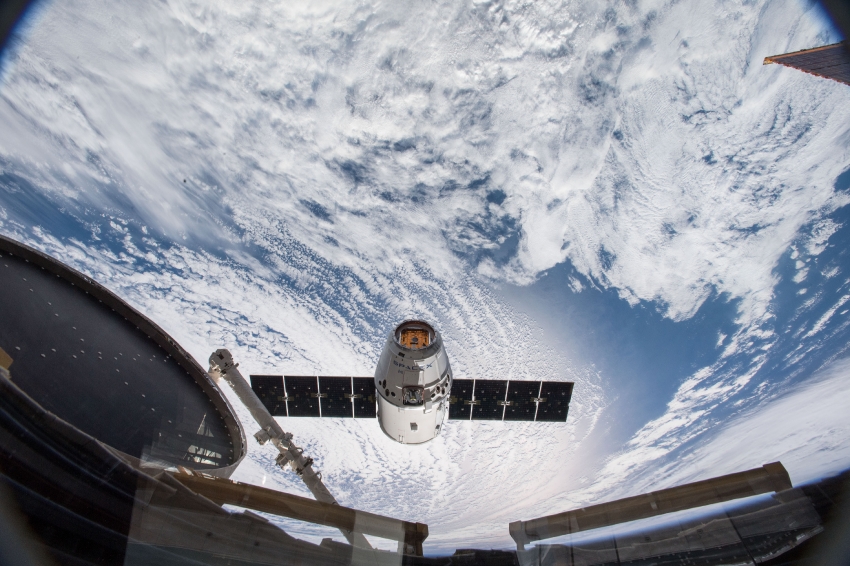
x=413 y=383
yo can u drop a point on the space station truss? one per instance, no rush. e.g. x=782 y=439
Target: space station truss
x=471 y=399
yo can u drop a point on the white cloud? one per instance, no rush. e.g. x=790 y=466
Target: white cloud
x=650 y=149
x=806 y=429
x=348 y=164
x=206 y=302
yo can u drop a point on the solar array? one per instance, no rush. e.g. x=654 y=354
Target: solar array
x=316 y=396
x=829 y=61
x=471 y=399
x=503 y=400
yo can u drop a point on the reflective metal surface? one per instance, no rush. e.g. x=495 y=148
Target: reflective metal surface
x=85 y=355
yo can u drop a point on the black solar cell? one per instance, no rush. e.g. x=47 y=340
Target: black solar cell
x=303 y=396
x=521 y=404
x=335 y=396
x=269 y=388
x=460 y=399
x=490 y=397
x=364 y=397
x=555 y=401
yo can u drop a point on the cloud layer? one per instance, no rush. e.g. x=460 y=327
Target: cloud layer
x=275 y=177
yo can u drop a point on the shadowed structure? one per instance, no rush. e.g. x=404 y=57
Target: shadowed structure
x=88 y=357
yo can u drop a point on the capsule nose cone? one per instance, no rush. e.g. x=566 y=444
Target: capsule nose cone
x=414 y=334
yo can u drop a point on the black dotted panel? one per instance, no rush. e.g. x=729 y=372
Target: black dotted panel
x=303 y=395
x=336 y=396
x=557 y=396
x=365 y=400
x=460 y=398
x=269 y=389
x=521 y=400
x=489 y=399
x=91 y=367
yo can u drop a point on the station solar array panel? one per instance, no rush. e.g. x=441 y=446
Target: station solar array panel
x=829 y=61
x=314 y=396
x=484 y=399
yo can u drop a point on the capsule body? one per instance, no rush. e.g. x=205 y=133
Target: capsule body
x=413 y=380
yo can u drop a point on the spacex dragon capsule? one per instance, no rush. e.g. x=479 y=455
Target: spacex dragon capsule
x=413 y=380
x=412 y=393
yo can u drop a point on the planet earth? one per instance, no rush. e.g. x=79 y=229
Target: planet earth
x=618 y=194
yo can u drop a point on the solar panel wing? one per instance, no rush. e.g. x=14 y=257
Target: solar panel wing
x=303 y=395
x=364 y=397
x=461 y=399
x=554 y=401
x=490 y=397
x=828 y=61
x=335 y=396
x=269 y=388
x=521 y=404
